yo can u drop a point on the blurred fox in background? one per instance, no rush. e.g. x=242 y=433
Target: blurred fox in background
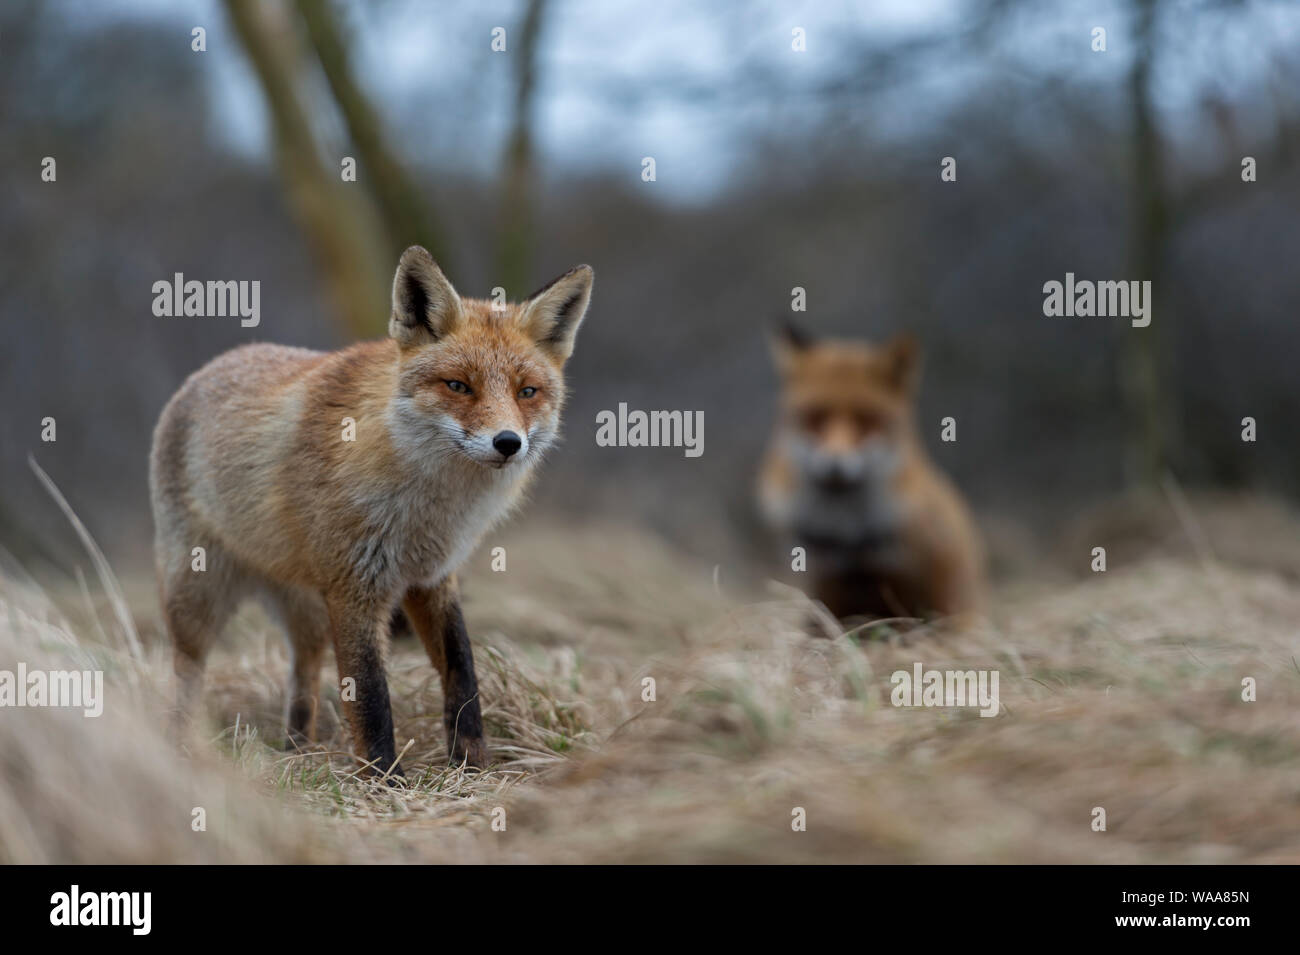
x=846 y=476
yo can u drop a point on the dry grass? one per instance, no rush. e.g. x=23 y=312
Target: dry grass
x=1120 y=690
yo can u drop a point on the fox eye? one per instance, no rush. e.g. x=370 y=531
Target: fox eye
x=458 y=386
x=867 y=422
x=813 y=419
x=527 y=392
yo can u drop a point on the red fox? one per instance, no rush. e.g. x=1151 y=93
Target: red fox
x=845 y=474
x=338 y=485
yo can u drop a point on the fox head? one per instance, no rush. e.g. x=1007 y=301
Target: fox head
x=846 y=408
x=476 y=379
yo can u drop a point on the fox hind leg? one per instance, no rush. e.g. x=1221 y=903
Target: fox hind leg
x=196 y=604
x=307 y=626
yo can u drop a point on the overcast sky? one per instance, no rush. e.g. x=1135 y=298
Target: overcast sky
x=411 y=53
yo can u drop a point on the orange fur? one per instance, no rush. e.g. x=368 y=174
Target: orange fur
x=337 y=485
x=846 y=476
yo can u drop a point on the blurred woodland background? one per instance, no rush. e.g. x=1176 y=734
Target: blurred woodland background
x=775 y=168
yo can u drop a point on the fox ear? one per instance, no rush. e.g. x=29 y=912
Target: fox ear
x=786 y=341
x=553 y=313
x=425 y=306
x=903 y=361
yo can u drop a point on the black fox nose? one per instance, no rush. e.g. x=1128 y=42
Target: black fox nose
x=507 y=442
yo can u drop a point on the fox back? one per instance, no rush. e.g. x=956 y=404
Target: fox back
x=846 y=476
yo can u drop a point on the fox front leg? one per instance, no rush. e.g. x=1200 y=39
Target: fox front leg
x=366 y=706
x=436 y=616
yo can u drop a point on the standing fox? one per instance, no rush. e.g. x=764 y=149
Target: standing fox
x=885 y=533
x=338 y=485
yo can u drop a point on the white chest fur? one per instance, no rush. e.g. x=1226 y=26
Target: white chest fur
x=422 y=528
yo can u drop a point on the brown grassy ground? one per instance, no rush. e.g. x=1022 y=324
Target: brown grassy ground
x=1120 y=690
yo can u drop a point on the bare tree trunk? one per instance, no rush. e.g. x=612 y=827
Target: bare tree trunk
x=341 y=229
x=514 y=256
x=406 y=214
x=1146 y=397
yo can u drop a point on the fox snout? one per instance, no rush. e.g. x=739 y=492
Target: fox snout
x=837 y=473
x=507 y=442
x=871 y=462
x=497 y=447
